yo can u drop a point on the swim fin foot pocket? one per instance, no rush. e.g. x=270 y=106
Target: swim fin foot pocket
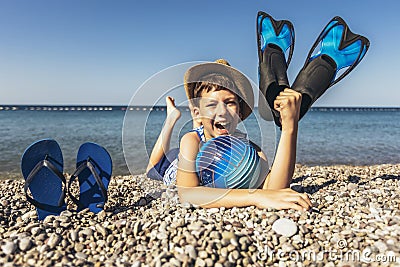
x=339 y=50
x=274 y=38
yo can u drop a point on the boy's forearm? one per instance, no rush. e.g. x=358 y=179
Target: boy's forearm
x=207 y=197
x=283 y=167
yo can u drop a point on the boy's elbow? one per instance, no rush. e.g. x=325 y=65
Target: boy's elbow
x=188 y=195
x=184 y=194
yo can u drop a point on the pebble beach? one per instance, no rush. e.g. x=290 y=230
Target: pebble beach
x=355 y=222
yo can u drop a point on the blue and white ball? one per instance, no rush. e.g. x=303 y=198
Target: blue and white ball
x=228 y=162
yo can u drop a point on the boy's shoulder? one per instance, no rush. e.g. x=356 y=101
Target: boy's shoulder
x=189 y=145
x=190 y=137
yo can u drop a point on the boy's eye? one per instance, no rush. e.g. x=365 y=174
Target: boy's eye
x=211 y=105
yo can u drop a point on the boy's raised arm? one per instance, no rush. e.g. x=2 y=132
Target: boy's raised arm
x=288 y=104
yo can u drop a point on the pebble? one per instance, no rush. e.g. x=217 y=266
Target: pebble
x=347 y=232
x=191 y=251
x=35 y=231
x=25 y=244
x=361 y=209
x=74 y=235
x=381 y=246
x=203 y=254
x=31 y=262
x=88 y=232
x=54 y=240
x=9 y=248
x=101 y=230
x=228 y=235
x=29 y=215
x=272 y=219
x=285 y=227
x=78 y=247
x=137 y=227
x=213 y=210
x=195 y=226
x=224 y=252
x=101 y=215
x=81 y=255
x=329 y=198
x=4 y=202
x=352 y=186
x=200 y=262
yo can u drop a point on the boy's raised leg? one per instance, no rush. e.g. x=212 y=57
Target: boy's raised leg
x=164 y=139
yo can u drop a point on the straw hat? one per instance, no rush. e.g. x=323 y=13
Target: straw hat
x=221 y=66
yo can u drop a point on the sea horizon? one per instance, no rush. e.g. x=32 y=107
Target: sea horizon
x=106 y=107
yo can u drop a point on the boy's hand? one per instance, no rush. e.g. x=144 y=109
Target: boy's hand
x=288 y=104
x=283 y=199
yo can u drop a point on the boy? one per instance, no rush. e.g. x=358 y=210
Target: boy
x=220 y=96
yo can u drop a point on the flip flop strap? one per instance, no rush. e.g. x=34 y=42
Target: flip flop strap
x=32 y=175
x=87 y=165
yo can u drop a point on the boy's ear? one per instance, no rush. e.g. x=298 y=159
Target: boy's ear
x=196 y=114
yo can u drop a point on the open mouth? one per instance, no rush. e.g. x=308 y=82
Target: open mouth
x=222 y=127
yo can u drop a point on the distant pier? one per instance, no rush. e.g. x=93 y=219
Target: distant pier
x=65 y=108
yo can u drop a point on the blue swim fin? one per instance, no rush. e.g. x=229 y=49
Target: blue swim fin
x=339 y=49
x=274 y=39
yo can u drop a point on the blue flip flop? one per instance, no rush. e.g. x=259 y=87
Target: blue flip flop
x=93 y=169
x=42 y=168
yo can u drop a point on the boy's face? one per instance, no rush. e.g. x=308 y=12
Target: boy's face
x=218 y=111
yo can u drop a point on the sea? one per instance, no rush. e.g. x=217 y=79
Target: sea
x=327 y=136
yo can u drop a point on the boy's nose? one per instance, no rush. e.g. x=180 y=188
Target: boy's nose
x=221 y=108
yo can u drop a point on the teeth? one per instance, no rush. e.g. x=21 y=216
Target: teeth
x=222 y=123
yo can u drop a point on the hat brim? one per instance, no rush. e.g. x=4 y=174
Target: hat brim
x=243 y=86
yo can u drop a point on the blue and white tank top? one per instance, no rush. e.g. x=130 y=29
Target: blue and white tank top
x=170 y=173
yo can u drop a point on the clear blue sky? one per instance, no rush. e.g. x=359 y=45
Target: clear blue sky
x=100 y=52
